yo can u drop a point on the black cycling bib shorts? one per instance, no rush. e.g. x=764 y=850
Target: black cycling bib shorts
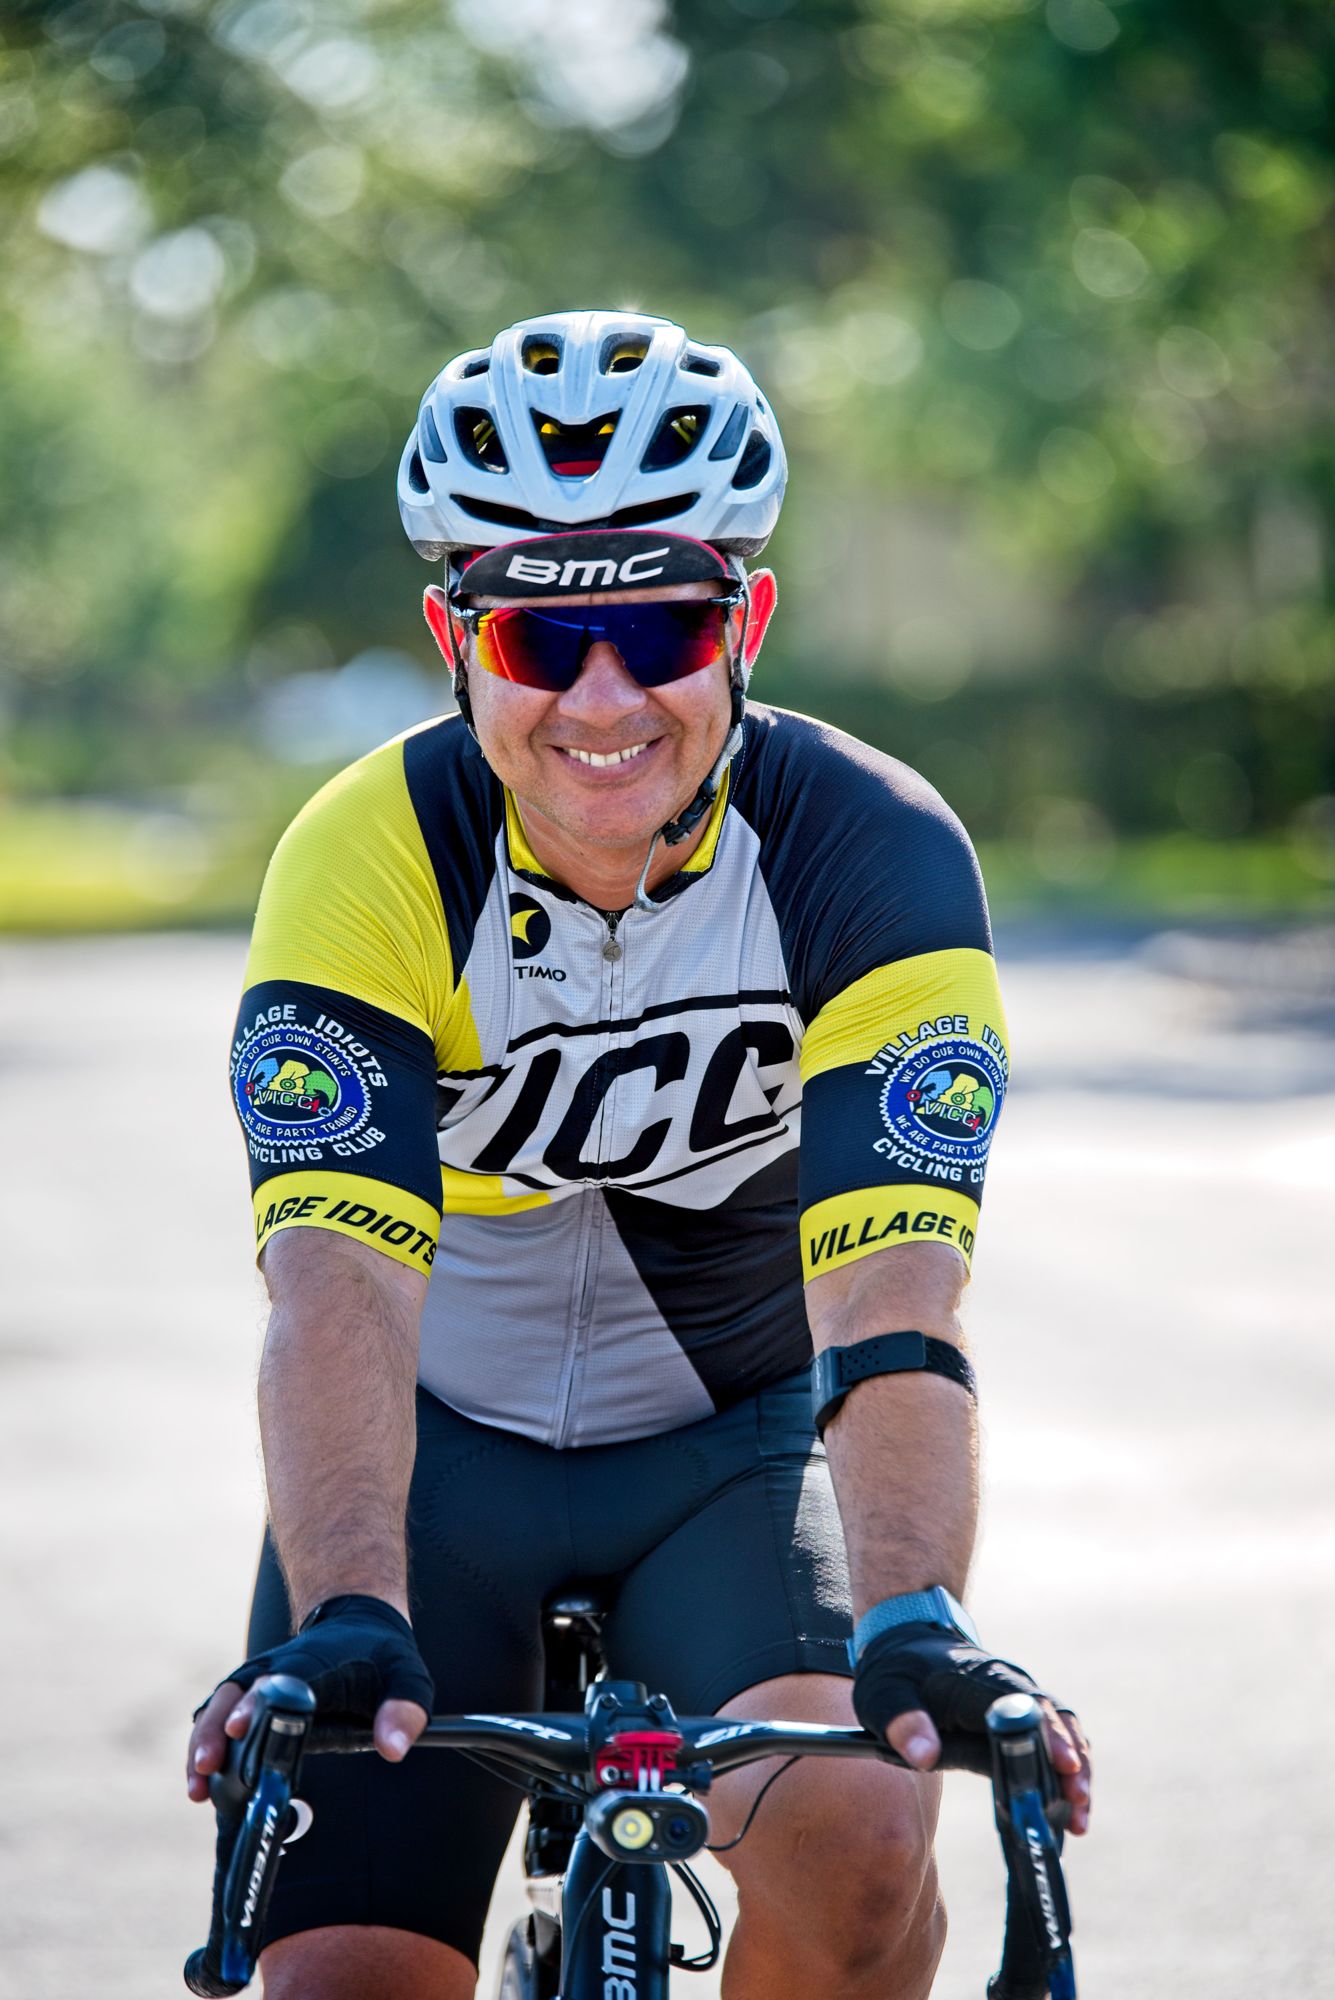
x=721 y=1547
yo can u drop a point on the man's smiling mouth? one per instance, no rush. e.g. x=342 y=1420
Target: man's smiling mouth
x=601 y=759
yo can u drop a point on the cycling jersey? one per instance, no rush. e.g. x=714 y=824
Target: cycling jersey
x=619 y=1143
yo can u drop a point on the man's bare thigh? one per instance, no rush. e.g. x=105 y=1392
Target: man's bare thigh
x=364 y=1962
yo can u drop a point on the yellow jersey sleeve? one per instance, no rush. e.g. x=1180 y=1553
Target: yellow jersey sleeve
x=348 y=995
x=903 y=1077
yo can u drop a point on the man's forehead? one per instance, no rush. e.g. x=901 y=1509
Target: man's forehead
x=589 y=562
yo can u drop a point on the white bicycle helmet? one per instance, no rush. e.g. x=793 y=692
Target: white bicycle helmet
x=592 y=420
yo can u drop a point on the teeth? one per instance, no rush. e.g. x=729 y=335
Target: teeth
x=612 y=757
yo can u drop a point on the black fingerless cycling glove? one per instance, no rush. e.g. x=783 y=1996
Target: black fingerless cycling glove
x=354 y=1652
x=924 y=1666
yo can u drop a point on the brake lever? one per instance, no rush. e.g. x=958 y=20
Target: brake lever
x=1031 y=1817
x=253 y=1797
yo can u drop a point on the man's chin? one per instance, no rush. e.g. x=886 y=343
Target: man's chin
x=613 y=815
x=614 y=832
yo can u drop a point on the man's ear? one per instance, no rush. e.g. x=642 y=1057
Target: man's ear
x=764 y=597
x=436 y=608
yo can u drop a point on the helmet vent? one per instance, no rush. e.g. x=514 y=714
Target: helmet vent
x=478 y=440
x=542 y=357
x=478 y=365
x=700 y=364
x=428 y=438
x=573 y=451
x=755 y=461
x=621 y=354
x=501 y=517
x=644 y=516
x=730 y=437
x=417 y=478
x=648 y=513
x=676 y=438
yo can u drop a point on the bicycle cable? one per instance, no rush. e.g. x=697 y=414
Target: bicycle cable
x=568 y=1944
x=726 y=1846
x=494 y=1768
x=708 y=1909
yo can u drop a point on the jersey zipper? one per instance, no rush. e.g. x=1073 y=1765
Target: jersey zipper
x=588 y=1255
x=613 y=952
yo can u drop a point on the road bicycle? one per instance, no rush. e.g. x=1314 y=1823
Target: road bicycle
x=615 y=1784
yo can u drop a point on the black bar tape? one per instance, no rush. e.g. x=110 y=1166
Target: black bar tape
x=836 y=1370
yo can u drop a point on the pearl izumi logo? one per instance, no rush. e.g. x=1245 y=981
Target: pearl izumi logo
x=530 y=934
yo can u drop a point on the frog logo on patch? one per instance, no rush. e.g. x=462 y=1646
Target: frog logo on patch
x=944 y=1099
x=291 y=1087
x=293 y=1084
x=954 y=1097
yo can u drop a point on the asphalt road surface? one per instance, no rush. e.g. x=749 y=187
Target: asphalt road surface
x=1153 y=1327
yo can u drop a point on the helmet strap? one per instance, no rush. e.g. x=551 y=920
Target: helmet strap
x=459 y=667
x=684 y=825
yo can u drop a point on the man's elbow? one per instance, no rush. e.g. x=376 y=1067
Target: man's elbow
x=320 y=1271
x=917 y=1285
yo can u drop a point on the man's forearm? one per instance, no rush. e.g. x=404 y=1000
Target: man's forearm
x=904 y=1459
x=903 y=1449
x=338 y=1425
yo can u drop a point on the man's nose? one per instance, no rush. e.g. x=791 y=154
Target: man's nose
x=603 y=692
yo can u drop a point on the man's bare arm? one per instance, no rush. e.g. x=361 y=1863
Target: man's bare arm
x=903 y=1448
x=337 y=1414
x=904 y=1458
x=338 y=1420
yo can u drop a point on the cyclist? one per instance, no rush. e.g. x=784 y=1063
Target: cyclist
x=657 y=1038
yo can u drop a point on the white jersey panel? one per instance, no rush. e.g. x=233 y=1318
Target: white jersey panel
x=590 y=1077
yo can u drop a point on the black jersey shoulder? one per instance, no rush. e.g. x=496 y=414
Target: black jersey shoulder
x=864 y=861
x=460 y=807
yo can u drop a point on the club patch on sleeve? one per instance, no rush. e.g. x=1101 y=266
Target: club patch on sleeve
x=303 y=1093
x=941 y=1102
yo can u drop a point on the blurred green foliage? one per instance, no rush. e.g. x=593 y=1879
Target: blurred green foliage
x=1043 y=293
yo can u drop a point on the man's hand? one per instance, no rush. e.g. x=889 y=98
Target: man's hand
x=927 y=1691
x=361 y=1661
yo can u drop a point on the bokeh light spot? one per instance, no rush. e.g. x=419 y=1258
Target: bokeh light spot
x=880 y=346
x=1108 y=263
x=978 y=315
x=1167 y=428
x=1075 y=466
x=128 y=52
x=179 y=276
x=1086 y=26
x=100 y=210
x=325 y=181
x=1191 y=363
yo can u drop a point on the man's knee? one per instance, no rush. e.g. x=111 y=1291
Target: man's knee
x=876 y=1908
x=365 y=1962
x=847 y=1875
